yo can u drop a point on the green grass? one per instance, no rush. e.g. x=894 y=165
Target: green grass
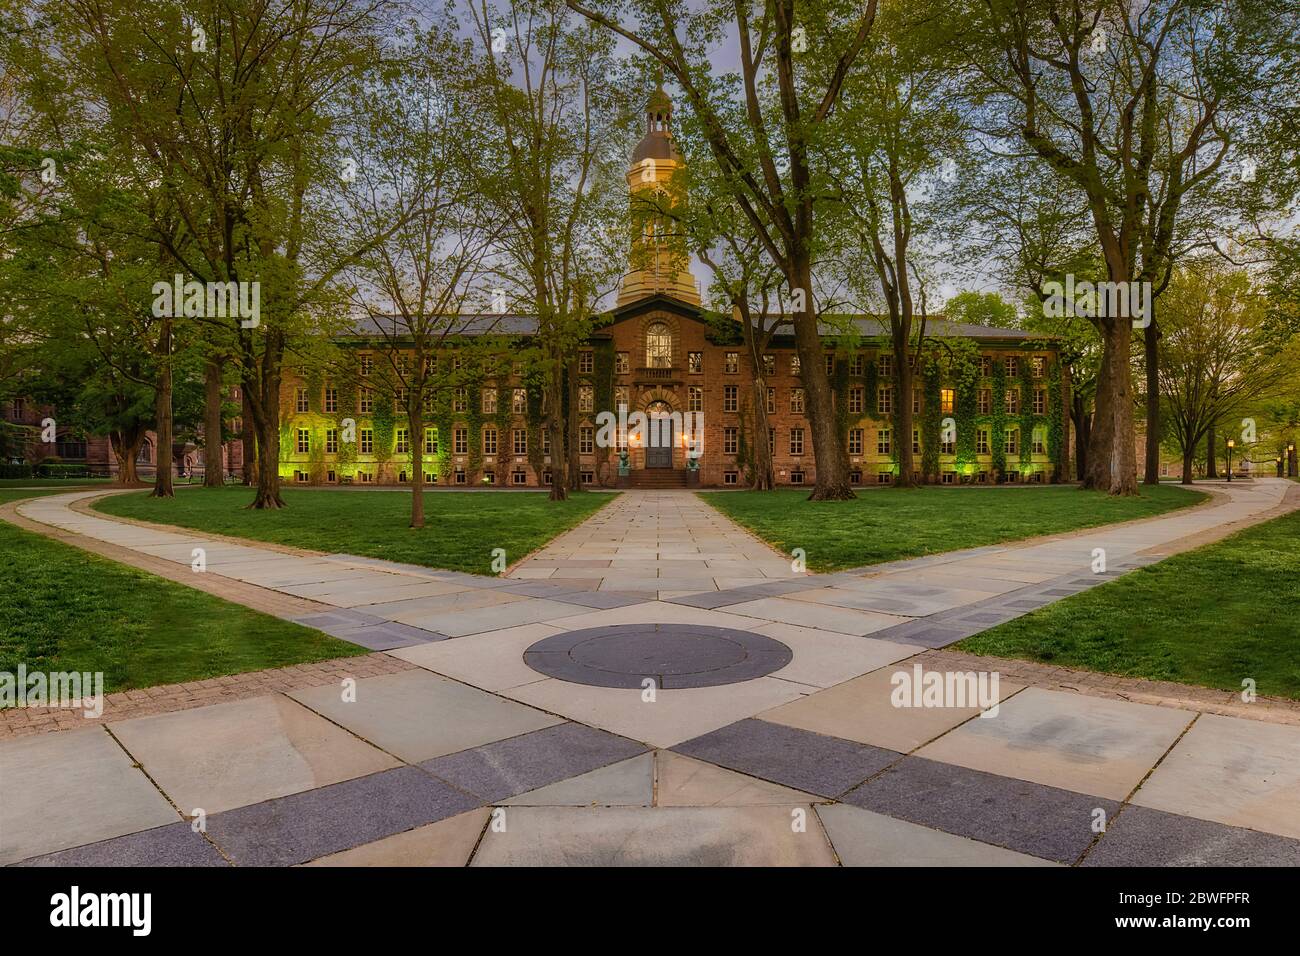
x=461 y=528
x=891 y=524
x=62 y=609
x=1213 y=616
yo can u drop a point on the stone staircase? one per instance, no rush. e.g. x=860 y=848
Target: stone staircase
x=657 y=478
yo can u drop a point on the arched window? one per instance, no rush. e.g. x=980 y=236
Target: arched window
x=658 y=346
x=144 y=456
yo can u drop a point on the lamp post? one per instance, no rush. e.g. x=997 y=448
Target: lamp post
x=1231 y=444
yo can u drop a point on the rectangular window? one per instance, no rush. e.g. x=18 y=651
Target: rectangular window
x=981 y=441
x=771 y=441
x=856 y=397
x=366 y=441
x=366 y=405
x=301 y=404
x=519 y=478
x=586 y=398
x=402 y=443
x=401 y=400
x=884 y=442
x=304 y=441
x=1013 y=401
x=730 y=440
x=855 y=441
x=730 y=402
x=986 y=366
x=431 y=441
x=771 y=400
x=460 y=441
x=885 y=366
x=1013 y=441
x=586 y=362
x=857 y=364
x=426 y=404
x=586 y=440
x=520 y=441
x=830 y=363
x=885 y=399
x=796 y=366
x=796 y=441
x=947 y=400
x=769 y=364
x=730 y=478
x=1040 y=444
x=519 y=401
x=622 y=398
x=731 y=363
x=367 y=365
x=460 y=401
x=1012 y=365
x=331 y=399
x=985 y=401
x=695 y=399
x=695 y=363
x=796 y=401
x=430 y=366
x=331 y=441
x=1040 y=401
x=885 y=478
x=916 y=401
x=489 y=440
x=946 y=447
x=488 y=403
x=1039 y=366
x=621 y=363
x=916 y=441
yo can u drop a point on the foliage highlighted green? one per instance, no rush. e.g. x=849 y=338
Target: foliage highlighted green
x=463 y=527
x=889 y=524
x=1215 y=616
x=62 y=609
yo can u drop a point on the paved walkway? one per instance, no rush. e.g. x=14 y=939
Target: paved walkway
x=473 y=755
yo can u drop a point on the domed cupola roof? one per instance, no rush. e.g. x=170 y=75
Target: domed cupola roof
x=658 y=140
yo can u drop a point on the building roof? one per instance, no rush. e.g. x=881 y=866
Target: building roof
x=481 y=324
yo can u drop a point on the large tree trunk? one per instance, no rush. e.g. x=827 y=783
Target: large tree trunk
x=126 y=446
x=554 y=426
x=1189 y=455
x=213 y=465
x=573 y=459
x=904 y=376
x=1082 y=433
x=415 y=436
x=763 y=477
x=247 y=439
x=162 y=483
x=1151 y=350
x=1211 y=464
x=266 y=412
x=1112 y=464
x=829 y=453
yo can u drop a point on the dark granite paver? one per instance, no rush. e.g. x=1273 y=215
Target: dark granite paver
x=389 y=635
x=173 y=845
x=303 y=826
x=814 y=763
x=510 y=767
x=1042 y=821
x=1144 y=837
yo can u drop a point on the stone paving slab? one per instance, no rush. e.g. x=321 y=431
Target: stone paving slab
x=448 y=842
x=1040 y=821
x=229 y=755
x=417 y=715
x=327 y=820
x=659 y=836
x=628 y=783
x=1143 y=837
x=507 y=768
x=863 y=838
x=47 y=782
x=683 y=781
x=815 y=763
x=173 y=845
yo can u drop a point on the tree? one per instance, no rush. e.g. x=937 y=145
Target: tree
x=1216 y=363
x=1136 y=107
x=762 y=126
x=417 y=143
x=553 y=180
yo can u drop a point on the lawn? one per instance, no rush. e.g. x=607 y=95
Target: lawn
x=62 y=609
x=891 y=524
x=1213 y=616
x=461 y=530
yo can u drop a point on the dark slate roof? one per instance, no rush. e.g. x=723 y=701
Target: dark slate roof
x=372 y=326
x=935 y=326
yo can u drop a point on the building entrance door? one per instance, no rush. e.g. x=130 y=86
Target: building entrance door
x=659 y=443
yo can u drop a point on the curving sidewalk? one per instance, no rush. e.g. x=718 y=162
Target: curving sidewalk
x=708 y=769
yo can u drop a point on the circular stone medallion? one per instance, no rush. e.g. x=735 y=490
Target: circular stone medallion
x=673 y=655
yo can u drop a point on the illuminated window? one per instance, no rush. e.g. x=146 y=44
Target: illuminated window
x=796 y=401
x=658 y=346
x=947 y=400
